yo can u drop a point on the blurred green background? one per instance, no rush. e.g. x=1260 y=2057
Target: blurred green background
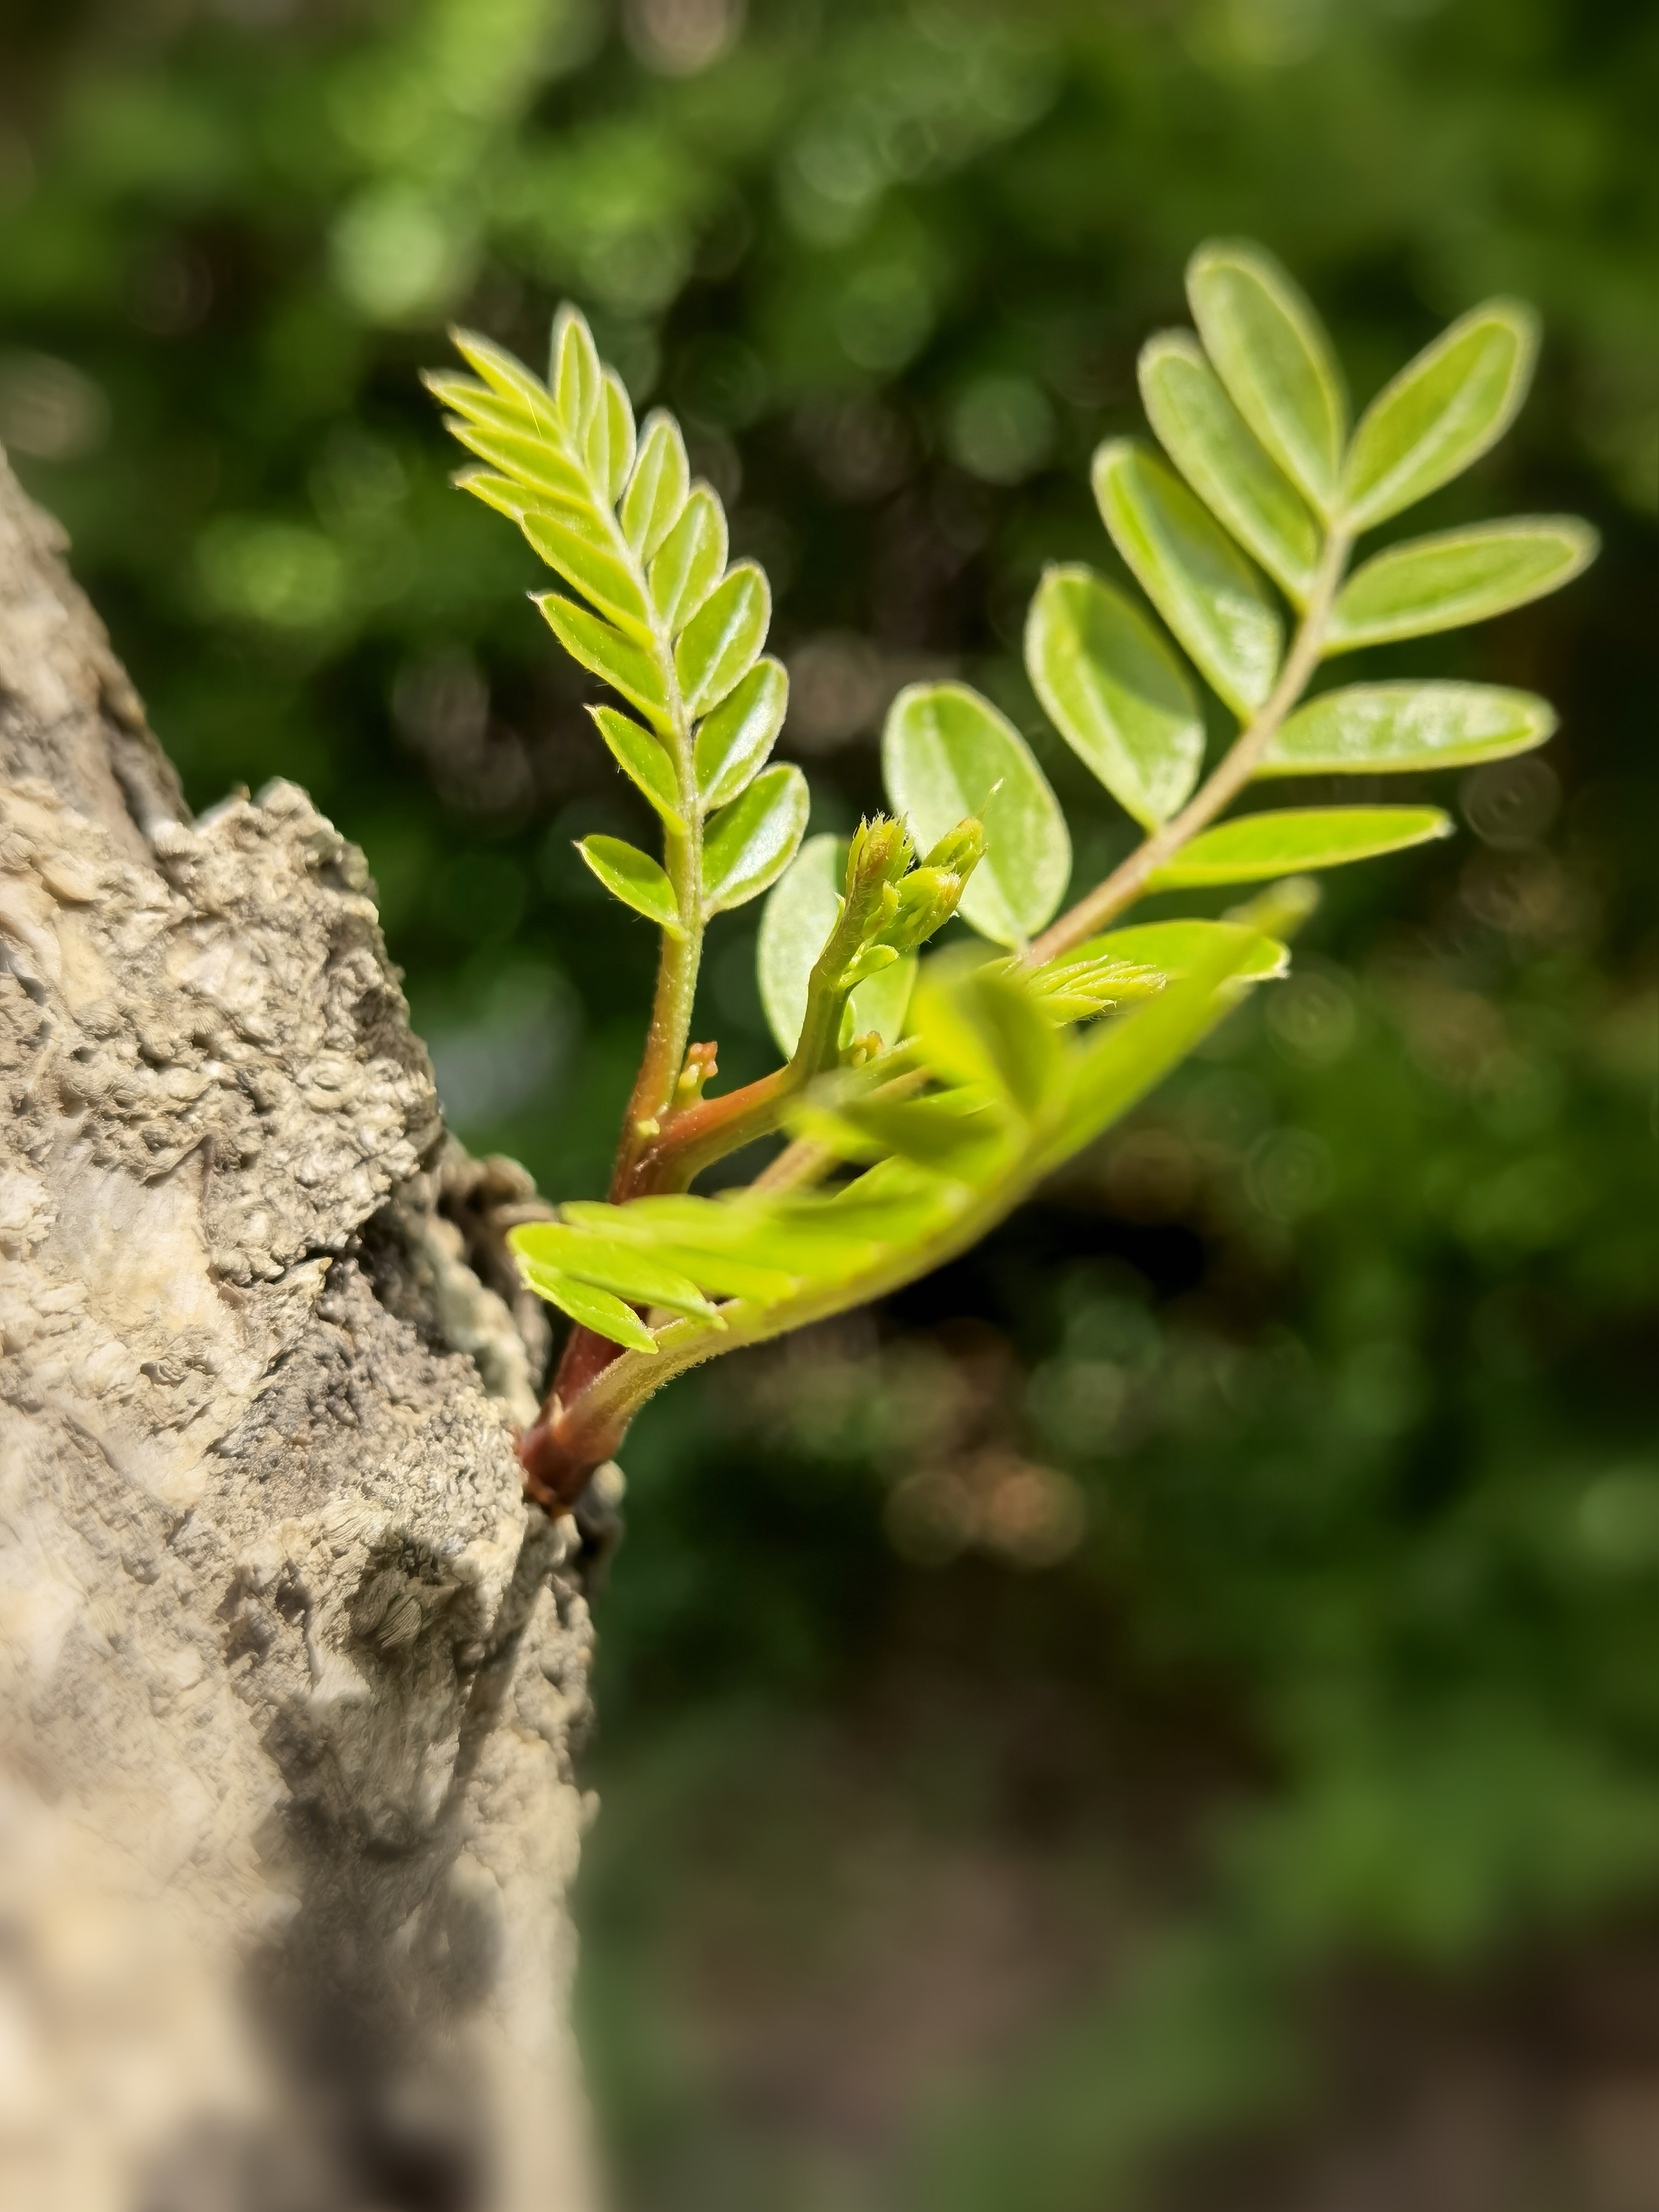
x=1166 y=1714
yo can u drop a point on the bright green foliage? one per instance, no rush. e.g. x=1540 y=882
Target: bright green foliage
x=1271 y=352
x=1260 y=846
x=1441 y=413
x=1116 y=692
x=946 y=1092
x=1369 y=728
x=1206 y=438
x=1193 y=573
x=1458 y=576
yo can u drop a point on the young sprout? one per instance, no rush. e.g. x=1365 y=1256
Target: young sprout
x=923 y=1099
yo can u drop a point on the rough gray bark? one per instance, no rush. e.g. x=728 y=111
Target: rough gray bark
x=288 y=1677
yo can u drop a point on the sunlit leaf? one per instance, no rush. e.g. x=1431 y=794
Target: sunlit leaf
x=532 y=461
x=721 y=642
x=732 y=743
x=1176 y=948
x=505 y=374
x=574 y=375
x=573 y=541
x=633 y=877
x=1370 y=728
x=691 y=560
x=946 y=754
x=628 y=1270
x=608 y=447
x=1458 y=576
x=1271 y=352
x=1192 y=573
x=657 y=489
x=1258 y=846
x=608 y=654
x=1441 y=413
x=1214 y=449
x=644 y=759
x=1115 y=691
x=750 y=843
x=599 y=1310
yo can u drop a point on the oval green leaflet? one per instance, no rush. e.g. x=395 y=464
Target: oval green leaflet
x=1441 y=413
x=574 y=542
x=610 y=1265
x=1271 y=352
x=643 y=759
x=691 y=560
x=633 y=877
x=802 y=910
x=947 y=754
x=750 y=843
x=721 y=642
x=1192 y=572
x=1116 y=692
x=659 y=487
x=1176 y=948
x=1213 y=447
x=1371 y=728
x=1259 y=846
x=606 y=653
x=733 y=741
x=1458 y=576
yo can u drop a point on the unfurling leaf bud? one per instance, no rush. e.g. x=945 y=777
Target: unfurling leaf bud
x=880 y=851
x=959 y=851
x=927 y=899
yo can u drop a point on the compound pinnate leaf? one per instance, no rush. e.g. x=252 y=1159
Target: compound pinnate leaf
x=1458 y=576
x=721 y=642
x=1192 y=573
x=1441 y=413
x=1369 y=728
x=658 y=487
x=733 y=741
x=750 y=843
x=633 y=877
x=691 y=561
x=572 y=540
x=608 y=654
x=947 y=754
x=609 y=1264
x=643 y=759
x=599 y=1310
x=1116 y=692
x=1176 y=948
x=1260 y=846
x=1271 y=352
x=1214 y=449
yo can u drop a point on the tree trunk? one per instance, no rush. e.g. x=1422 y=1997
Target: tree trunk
x=288 y=1675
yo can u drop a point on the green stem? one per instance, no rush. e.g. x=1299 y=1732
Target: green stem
x=1129 y=880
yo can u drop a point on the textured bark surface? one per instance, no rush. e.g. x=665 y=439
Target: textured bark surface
x=289 y=1679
